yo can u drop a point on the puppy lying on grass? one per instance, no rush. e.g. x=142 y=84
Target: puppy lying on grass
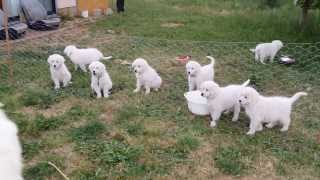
x=267 y=51
x=146 y=76
x=83 y=57
x=59 y=71
x=222 y=99
x=100 y=80
x=271 y=110
x=10 y=149
x=198 y=74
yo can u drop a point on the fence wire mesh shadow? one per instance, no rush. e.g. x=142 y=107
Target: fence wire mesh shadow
x=31 y=70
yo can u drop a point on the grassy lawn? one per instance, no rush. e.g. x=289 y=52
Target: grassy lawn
x=214 y=20
x=133 y=136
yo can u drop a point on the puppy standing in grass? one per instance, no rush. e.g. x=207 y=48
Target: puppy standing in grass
x=59 y=71
x=100 y=79
x=271 y=110
x=83 y=57
x=267 y=51
x=10 y=149
x=222 y=99
x=198 y=74
x=146 y=76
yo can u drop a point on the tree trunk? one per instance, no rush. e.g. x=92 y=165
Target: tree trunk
x=304 y=13
x=303 y=17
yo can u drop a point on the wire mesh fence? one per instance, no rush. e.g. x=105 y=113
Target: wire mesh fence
x=30 y=67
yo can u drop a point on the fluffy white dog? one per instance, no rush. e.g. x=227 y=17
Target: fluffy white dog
x=59 y=71
x=267 y=51
x=83 y=57
x=198 y=74
x=271 y=110
x=100 y=79
x=222 y=99
x=146 y=76
x=10 y=149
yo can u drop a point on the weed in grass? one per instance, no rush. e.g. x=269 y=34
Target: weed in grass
x=135 y=128
x=77 y=112
x=229 y=160
x=31 y=148
x=110 y=153
x=185 y=144
x=88 y=132
x=42 y=170
x=37 y=97
x=41 y=123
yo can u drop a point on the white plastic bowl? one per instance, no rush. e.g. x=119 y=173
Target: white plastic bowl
x=196 y=103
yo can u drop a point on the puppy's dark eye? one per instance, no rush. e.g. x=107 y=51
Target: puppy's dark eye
x=246 y=97
x=207 y=90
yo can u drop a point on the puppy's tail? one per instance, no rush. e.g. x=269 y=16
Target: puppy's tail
x=253 y=50
x=246 y=83
x=295 y=97
x=106 y=58
x=212 y=60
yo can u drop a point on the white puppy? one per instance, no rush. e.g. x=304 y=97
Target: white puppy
x=59 y=71
x=146 y=76
x=222 y=99
x=100 y=79
x=10 y=149
x=266 y=51
x=198 y=74
x=83 y=57
x=271 y=110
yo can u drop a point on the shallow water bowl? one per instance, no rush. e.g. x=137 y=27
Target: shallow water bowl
x=196 y=103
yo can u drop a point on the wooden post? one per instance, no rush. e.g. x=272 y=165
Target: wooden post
x=8 y=61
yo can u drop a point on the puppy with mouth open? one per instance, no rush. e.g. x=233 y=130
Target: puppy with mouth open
x=101 y=82
x=146 y=76
x=271 y=110
x=198 y=74
x=59 y=71
x=222 y=99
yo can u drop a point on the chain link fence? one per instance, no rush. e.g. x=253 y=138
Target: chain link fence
x=30 y=67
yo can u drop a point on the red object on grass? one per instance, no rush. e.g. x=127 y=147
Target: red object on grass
x=183 y=59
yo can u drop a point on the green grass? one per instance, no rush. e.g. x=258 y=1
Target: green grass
x=231 y=20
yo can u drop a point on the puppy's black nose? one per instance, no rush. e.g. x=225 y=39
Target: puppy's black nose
x=240 y=101
x=54 y=66
x=202 y=94
x=189 y=73
x=135 y=71
x=94 y=72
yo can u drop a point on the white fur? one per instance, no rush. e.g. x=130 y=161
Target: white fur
x=59 y=71
x=10 y=150
x=146 y=76
x=100 y=79
x=83 y=57
x=267 y=51
x=222 y=99
x=271 y=110
x=198 y=74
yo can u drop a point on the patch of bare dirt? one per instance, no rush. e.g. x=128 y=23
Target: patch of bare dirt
x=55 y=110
x=172 y=25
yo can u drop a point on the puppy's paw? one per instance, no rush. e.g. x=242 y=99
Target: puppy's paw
x=269 y=125
x=284 y=129
x=56 y=87
x=234 y=119
x=251 y=133
x=136 y=90
x=213 y=124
